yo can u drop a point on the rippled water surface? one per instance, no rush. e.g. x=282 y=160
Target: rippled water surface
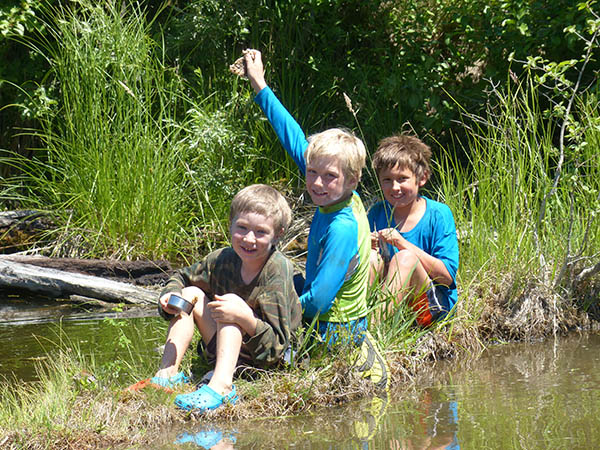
x=518 y=396
x=525 y=396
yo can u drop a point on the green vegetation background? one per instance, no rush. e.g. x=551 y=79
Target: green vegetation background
x=123 y=120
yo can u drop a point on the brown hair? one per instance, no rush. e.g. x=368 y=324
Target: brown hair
x=264 y=200
x=404 y=151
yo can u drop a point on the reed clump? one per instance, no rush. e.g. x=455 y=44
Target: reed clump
x=130 y=164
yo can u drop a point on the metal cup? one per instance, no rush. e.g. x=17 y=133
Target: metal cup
x=180 y=304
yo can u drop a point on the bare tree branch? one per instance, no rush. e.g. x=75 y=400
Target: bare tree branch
x=561 y=143
x=588 y=272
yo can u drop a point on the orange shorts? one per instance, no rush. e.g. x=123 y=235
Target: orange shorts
x=428 y=307
x=421 y=307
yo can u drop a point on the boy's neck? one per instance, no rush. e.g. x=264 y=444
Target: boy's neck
x=408 y=216
x=249 y=270
x=337 y=205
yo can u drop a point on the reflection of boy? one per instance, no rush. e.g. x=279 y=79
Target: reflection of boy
x=418 y=258
x=247 y=309
x=434 y=427
x=337 y=264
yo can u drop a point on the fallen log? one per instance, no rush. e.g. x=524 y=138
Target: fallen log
x=21 y=218
x=57 y=283
x=143 y=273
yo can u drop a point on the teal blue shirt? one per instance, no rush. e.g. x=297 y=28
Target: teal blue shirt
x=337 y=263
x=435 y=234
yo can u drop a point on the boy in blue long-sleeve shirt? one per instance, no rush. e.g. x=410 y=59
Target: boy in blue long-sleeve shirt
x=339 y=243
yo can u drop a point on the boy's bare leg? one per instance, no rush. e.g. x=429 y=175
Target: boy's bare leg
x=179 y=336
x=229 y=343
x=406 y=277
x=181 y=332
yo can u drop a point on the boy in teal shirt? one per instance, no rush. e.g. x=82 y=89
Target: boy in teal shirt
x=415 y=252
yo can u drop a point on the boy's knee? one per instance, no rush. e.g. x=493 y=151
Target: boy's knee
x=192 y=292
x=404 y=258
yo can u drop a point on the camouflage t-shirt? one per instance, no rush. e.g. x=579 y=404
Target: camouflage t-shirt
x=271 y=295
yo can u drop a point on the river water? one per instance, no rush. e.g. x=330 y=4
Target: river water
x=525 y=396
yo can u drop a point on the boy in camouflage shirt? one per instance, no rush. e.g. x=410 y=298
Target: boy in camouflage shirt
x=246 y=308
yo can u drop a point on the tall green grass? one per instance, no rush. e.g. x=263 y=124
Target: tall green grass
x=514 y=229
x=133 y=164
x=112 y=154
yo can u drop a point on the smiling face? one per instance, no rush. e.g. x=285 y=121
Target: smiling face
x=326 y=182
x=400 y=186
x=252 y=237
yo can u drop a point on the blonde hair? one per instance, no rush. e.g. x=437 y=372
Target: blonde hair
x=404 y=151
x=341 y=144
x=264 y=200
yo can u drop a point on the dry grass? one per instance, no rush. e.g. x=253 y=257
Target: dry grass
x=99 y=420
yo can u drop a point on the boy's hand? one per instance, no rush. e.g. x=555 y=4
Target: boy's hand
x=392 y=236
x=375 y=240
x=164 y=300
x=255 y=70
x=230 y=308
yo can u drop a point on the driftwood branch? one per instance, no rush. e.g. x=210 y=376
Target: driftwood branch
x=14 y=218
x=140 y=272
x=57 y=283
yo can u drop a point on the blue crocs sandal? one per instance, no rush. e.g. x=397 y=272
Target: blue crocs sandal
x=205 y=399
x=171 y=382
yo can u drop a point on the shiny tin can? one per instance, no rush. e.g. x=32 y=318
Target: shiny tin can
x=180 y=304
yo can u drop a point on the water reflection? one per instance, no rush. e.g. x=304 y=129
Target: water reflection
x=429 y=423
x=208 y=438
x=433 y=425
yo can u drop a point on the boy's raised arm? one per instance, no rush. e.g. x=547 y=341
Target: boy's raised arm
x=288 y=131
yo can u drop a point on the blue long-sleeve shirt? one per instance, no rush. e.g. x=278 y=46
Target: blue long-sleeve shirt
x=337 y=264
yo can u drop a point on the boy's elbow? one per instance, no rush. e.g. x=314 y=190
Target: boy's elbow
x=309 y=310
x=444 y=278
x=448 y=281
x=315 y=309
